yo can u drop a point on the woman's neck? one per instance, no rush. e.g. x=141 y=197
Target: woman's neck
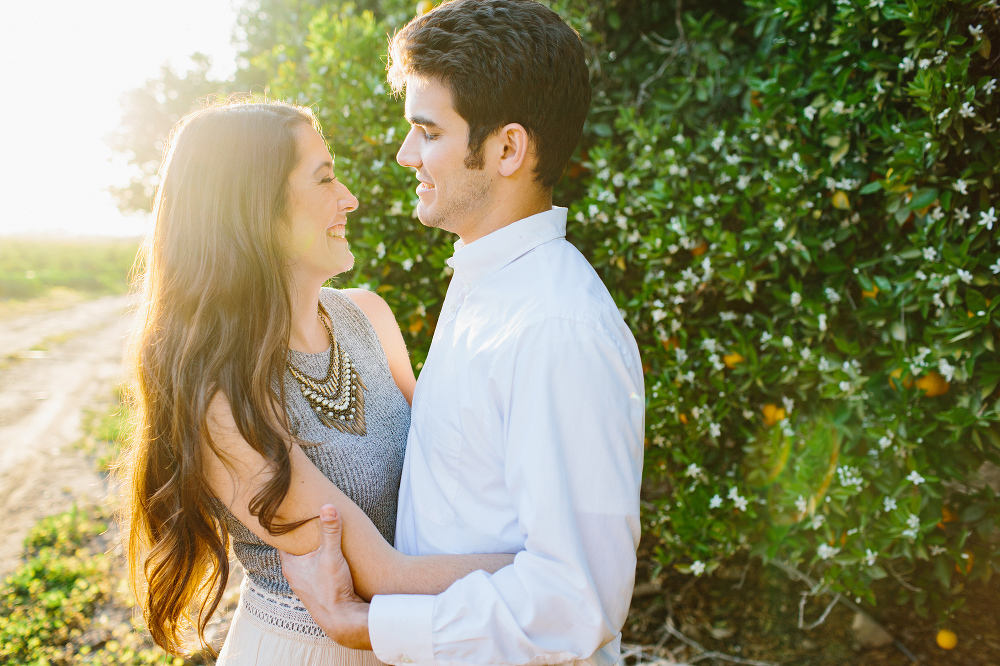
x=307 y=333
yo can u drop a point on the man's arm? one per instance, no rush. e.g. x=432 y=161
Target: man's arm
x=573 y=406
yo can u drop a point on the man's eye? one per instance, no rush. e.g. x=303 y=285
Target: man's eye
x=328 y=179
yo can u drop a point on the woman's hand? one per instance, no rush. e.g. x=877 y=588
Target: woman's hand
x=322 y=580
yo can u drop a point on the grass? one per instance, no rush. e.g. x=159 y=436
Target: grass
x=68 y=603
x=31 y=267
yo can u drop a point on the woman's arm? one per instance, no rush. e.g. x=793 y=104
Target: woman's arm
x=376 y=567
x=384 y=323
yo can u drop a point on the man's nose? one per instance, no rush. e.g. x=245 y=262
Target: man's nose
x=408 y=155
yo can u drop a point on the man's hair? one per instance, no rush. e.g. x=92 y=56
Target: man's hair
x=505 y=61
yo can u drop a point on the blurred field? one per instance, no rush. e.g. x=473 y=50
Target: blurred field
x=32 y=268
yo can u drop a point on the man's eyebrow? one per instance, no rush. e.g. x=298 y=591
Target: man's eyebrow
x=324 y=165
x=423 y=122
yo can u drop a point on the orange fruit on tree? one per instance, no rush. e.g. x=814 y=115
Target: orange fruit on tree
x=870 y=294
x=946 y=639
x=670 y=343
x=699 y=249
x=947 y=516
x=772 y=414
x=683 y=418
x=895 y=374
x=732 y=360
x=933 y=384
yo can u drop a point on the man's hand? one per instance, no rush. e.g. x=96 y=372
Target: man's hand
x=322 y=580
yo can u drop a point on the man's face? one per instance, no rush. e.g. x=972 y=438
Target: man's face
x=451 y=196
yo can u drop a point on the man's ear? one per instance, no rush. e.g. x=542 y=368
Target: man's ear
x=516 y=149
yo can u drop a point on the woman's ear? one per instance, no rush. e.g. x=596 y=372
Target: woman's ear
x=515 y=145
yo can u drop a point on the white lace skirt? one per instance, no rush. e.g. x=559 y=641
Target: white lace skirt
x=268 y=630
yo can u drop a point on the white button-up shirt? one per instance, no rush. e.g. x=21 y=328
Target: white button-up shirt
x=526 y=436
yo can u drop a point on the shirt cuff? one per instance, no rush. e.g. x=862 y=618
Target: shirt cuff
x=399 y=626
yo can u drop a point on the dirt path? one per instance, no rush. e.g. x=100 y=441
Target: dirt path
x=53 y=367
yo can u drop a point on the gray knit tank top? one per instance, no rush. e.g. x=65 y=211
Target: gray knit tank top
x=367 y=469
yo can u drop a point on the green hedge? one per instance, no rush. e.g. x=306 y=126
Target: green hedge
x=794 y=203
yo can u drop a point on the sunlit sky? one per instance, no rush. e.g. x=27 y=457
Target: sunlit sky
x=63 y=69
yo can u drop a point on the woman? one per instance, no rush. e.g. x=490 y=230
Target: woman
x=261 y=395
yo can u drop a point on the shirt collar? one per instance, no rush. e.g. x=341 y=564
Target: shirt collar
x=492 y=252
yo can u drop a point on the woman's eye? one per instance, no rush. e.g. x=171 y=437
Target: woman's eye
x=328 y=179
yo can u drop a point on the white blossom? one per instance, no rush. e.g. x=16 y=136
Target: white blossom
x=838 y=107
x=915 y=477
x=996 y=267
x=907 y=64
x=990 y=86
x=967 y=111
x=826 y=552
x=779 y=224
x=937 y=550
x=870 y=557
x=823 y=365
x=697 y=567
x=845 y=386
x=961 y=186
x=787 y=342
x=795 y=299
x=888 y=503
x=806 y=353
x=962 y=214
x=788 y=403
x=976 y=31
x=715 y=429
x=817 y=521
x=964 y=275
x=800 y=504
x=740 y=502
x=809 y=112
x=884 y=442
x=681 y=355
x=946 y=369
x=913 y=521
x=930 y=254
x=988 y=217
x=831 y=295
x=658 y=316
x=821 y=321
x=715 y=502
x=924 y=63
x=719 y=140
x=743 y=182
x=380 y=250
x=693 y=471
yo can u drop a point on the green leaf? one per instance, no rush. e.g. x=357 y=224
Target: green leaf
x=871 y=187
x=614 y=20
x=972 y=513
x=923 y=198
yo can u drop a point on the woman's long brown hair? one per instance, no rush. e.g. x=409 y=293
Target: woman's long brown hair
x=214 y=316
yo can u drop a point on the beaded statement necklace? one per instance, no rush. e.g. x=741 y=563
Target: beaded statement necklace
x=338 y=399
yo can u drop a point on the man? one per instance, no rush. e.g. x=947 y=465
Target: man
x=527 y=423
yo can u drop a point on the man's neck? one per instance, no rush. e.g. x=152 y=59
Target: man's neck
x=506 y=211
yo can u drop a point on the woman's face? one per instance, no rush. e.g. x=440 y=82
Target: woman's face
x=318 y=204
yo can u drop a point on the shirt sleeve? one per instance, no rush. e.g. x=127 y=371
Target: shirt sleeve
x=572 y=428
